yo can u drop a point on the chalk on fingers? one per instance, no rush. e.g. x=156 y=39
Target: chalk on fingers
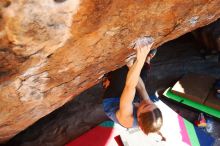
x=143 y=41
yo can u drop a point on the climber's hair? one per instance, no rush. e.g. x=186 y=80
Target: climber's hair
x=151 y=121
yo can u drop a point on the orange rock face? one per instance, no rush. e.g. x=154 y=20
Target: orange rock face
x=51 y=50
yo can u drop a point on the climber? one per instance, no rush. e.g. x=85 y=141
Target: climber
x=120 y=101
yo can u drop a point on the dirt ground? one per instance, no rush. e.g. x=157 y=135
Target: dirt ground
x=173 y=60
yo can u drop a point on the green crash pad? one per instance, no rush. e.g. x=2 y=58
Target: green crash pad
x=195 y=87
x=206 y=109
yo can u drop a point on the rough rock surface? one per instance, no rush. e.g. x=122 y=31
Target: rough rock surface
x=51 y=50
x=85 y=111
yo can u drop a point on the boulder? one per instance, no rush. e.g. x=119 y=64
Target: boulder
x=52 y=50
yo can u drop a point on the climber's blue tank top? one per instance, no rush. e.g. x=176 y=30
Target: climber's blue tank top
x=111 y=106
